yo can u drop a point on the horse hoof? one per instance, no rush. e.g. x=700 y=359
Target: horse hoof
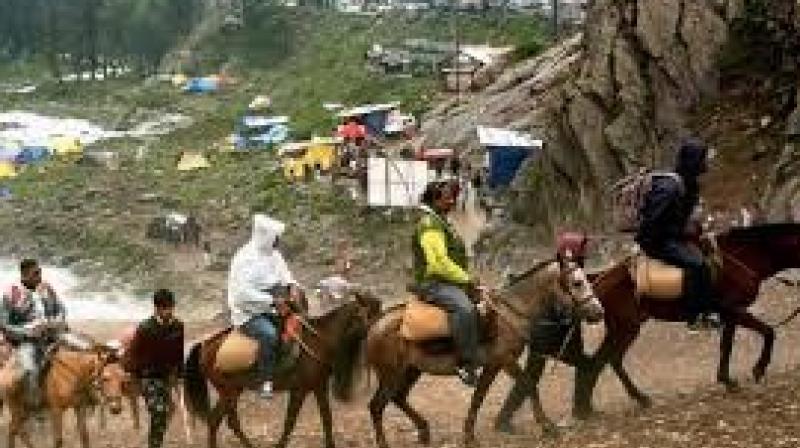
x=424 y=436
x=583 y=413
x=550 y=431
x=644 y=402
x=471 y=443
x=758 y=373
x=731 y=386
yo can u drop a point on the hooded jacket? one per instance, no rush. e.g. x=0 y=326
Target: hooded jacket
x=668 y=205
x=256 y=268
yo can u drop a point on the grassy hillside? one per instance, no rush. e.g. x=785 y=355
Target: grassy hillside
x=301 y=58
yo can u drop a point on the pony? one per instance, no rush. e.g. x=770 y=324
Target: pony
x=399 y=363
x=332 y=349
x=747 y=256
x=70 y=382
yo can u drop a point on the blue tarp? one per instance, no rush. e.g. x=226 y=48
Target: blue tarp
x=504 y=161
x=262 y=138
x=375 y=122
x=200 y=85
x=32 y=154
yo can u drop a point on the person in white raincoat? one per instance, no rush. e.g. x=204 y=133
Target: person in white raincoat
x=258 y=278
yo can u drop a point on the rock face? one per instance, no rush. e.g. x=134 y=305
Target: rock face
x=617 y=96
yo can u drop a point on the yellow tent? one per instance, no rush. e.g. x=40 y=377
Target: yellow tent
x=66 y=146
x=321 y=154
x=293 y=169
x=190 y=161
x=179 y=80
x=7 y=170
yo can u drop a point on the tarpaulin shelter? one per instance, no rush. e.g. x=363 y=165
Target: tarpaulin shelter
x=374 y=117
x=319 y=153
x=32 y=154
x=9 y=154
x=507 y=149
x=259 y=131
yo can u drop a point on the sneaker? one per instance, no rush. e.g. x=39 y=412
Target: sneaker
x=266 y=390
x=467 y=376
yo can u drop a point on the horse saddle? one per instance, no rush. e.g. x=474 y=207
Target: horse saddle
x=238 y=352
x=426 y=323
x=658 y=280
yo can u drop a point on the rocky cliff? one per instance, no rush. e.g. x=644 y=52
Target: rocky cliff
x=619 y=95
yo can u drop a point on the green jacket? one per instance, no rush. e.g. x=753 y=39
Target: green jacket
x=438 y=252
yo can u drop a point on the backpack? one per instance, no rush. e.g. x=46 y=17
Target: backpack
x=628 y=195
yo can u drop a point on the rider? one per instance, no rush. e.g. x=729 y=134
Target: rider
x=665 y=222
x=258 y=282
x=440 y=272
x=31 y=316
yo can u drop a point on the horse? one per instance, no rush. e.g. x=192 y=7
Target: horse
x=332 y=348
x=399 y=363
x=70 y=381
x=117 y=385
x=748 y=255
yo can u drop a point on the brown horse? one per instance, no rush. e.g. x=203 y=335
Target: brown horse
x=333 y=350
x=399 y=363
x=118 y=385
x=749 y=256
x=70 y=382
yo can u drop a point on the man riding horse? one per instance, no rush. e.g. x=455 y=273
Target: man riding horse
x=440 y=273
x=665 y=225
x=257 y=289
x=31 y=317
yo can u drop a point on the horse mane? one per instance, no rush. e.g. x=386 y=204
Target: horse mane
x=760 y=232
x=515 y=279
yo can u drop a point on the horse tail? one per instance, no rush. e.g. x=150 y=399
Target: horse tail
x=347 y=366
x=195 y=384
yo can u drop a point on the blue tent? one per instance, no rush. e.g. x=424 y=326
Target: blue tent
x=32 y=154
x=507 y=151
x=200 y=85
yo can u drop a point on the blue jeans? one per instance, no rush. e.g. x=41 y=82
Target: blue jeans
x=461 y=315
x=262 y=329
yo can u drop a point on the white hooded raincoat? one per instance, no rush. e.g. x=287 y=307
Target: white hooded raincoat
x=256 y=268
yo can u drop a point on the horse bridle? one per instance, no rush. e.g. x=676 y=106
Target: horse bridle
x=577 y=302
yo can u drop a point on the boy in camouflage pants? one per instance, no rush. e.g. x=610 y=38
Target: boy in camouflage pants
x=155 y=358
